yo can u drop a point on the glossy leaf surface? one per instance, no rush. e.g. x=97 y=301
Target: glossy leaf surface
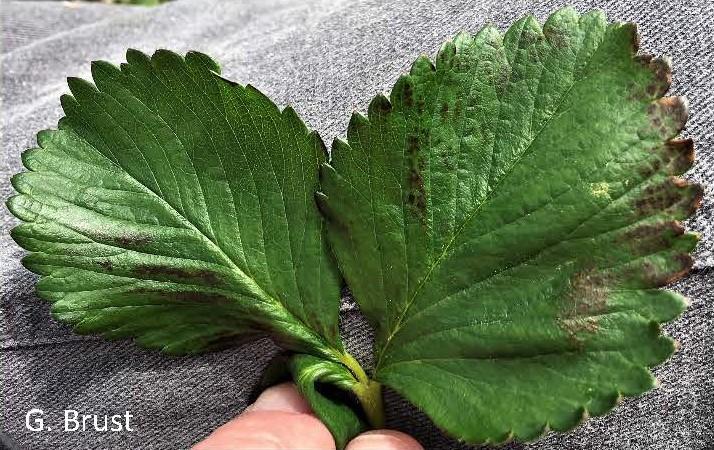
x=505 y=219
x=177 y=207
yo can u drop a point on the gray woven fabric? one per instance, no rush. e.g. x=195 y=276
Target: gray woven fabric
x=326 y=58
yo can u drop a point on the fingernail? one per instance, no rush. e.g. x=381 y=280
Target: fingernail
x=384 y=440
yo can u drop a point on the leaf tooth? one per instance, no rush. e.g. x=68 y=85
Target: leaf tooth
x=64 y=122
x=319 y=144
x=20 y=183
x=567 y=13
x=166 y=59
x=256 y=94
x=668 y=116
x=34 y=266
x=595 y=15
x=12 y=204
x=463 y=39
x=136 y=57
x=338 y=145
x=291 y=117
x=357 y=122
x=402 y=95
x=81 y=89
x=488 y=35
x=233 y=84
x=602 y=402
x=105 y=73
x=44 y=137
x=69 y=106
x=29 y=159
x=530 y=22
x=380 y=106
x=678 y=155
x=630 y=29
x=661 y=70
x=323 y=204
x=675 y=196
x=202 y=61
x=524 y=34
x=445 y=56
x=23 y=207
x=421 y=66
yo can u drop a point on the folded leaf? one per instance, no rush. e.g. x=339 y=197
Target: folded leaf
x=342 y=421
x=177 y=207
x=505 y=218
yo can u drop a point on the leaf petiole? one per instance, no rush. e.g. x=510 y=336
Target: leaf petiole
x=368 y=391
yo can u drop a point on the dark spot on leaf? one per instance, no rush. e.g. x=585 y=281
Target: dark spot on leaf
x=697 y=197
x=586 y=298
x=198 y=297
x=202 y=275
x=658 y=276
x=458 y=107
x=662 y=77
x=445 y=56
x=408 y=94
x=529 y=37
x=181 y=296
x=660 y=82
x=644 y=59
x=649 y=168
x=679 y=155
x=416 y=196
x=588 y=293
x=673 y=192
x=106 y=264
x=379 y=106
x=445 y=110
x=649 y=238
x=131 y=240
x=631 y=30
x=668 y=115
x=576 y=327
x=556 y=37
x=421 y=105
x=412 y=145
x=416 y=192
x=686 y=262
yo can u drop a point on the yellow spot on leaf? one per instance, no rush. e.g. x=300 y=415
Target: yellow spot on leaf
x=600 y=190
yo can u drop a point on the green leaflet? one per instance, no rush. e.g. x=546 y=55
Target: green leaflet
x=177 y=207
x=505 y=218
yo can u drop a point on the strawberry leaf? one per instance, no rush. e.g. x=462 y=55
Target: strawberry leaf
x=177 y=207
x=505 y=218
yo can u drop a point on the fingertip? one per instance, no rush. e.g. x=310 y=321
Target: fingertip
x=280 y=418
x=281 y=397
x=384 y=440
x=270 y=430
